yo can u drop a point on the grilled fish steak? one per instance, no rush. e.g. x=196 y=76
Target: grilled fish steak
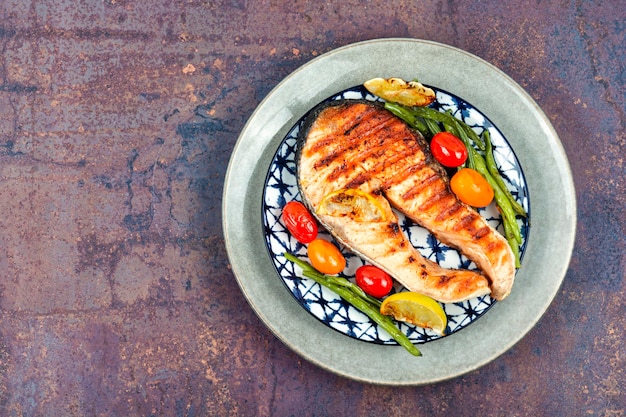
x=357 y=144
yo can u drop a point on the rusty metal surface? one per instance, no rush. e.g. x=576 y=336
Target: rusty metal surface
x=117 y=119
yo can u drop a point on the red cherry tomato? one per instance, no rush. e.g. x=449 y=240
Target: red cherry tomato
x=374 y=281
x=448 y=150
x=299 y=222
x=325 y=257
x=471 y=188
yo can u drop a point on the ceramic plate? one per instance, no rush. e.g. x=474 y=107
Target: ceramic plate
x=326 y=306
x=537 y=149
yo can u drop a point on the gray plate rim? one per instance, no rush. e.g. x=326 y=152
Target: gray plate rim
x=508 y=106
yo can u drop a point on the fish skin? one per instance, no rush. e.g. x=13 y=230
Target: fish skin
x=358 y=144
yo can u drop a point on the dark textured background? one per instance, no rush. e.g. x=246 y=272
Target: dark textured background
x=117 y=120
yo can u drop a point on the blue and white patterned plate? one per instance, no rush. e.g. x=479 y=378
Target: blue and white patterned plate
x=281 y=187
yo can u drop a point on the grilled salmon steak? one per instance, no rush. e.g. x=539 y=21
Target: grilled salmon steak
x=355 y=161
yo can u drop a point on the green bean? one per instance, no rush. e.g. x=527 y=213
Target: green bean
x=370 y=311
x=472 y=135
x=471 y=152
x=302 y=264
x=509 y=207
x=495 y=172
x=405 y=114
x=515 y=248
x=508 y=233
x=358 y=291
x=424 y=112
x=441 y=117
x=450 y=129
x=364 y=305
x=343 y=282
x=508 y=215
x=480 y=165
x=512 y=232
x=433 y=127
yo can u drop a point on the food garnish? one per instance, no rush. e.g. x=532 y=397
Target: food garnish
x=411 y=93
x=373 y=280
x=448 y=150
x=480 y=157
x=359 y=205
x=476 y=182
x=416 y=309
x=359 y=145
x=471 y=187
x=299 y=222
x=352 y=294
x=325 y=257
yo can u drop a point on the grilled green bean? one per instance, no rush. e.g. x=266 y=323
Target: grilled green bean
x=509 y=234
x=486 y=165
x=370 y=311
x=405 y=114
x=342 y=282
x=508 y=215
x=433 y=127
x=471 y=152
x=365 y=305
x=495 y=172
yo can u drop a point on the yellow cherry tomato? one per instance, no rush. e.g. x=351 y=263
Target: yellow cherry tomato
x=325 y=257
x=471 y=188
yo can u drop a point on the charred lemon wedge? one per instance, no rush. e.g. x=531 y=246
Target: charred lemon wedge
x=397 y=90
x=359 y=205
x=417 y=309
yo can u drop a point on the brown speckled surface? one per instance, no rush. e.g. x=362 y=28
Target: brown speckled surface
x=117 y=120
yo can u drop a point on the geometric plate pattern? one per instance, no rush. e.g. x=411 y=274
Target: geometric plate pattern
x=325 y=305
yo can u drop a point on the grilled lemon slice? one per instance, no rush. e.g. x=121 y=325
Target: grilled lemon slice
x=396 y=90
x=356 y=204
x=417 y=309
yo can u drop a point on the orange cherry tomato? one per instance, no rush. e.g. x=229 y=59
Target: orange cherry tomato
x=471 y=188
x=325 y=257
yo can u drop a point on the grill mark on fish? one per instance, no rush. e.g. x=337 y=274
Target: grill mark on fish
x=449 y=211
x=355 y=160
x=496 y=245
x=358 y=144
x=351 y=128
x=483 y=231
x=352 y=120
x=441 y=195
x=465 y=223
x=443 y=280
x=402 y=175
x=348 y=149
x=374 y=171
x=370 y=122
x=431 y=180
x=394 y=229
x=340 y=152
